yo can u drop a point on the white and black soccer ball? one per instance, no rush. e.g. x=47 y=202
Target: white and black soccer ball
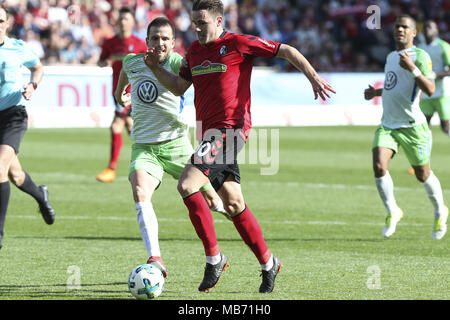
x=146 y=282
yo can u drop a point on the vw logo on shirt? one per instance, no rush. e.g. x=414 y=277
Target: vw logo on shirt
x=147 y=91
x=390 y=80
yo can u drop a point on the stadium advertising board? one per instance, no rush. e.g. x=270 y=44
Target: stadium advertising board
x=82 y=97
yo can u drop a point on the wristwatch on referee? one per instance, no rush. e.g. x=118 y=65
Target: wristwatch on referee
x=34 y=84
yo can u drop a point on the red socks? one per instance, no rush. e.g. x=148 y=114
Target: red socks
x=202 y=220
x=116 y=146
x=250 y=231
x=245 y=223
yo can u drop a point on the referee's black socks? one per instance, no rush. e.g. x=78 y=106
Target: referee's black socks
x=28 y=186
x=5 y=192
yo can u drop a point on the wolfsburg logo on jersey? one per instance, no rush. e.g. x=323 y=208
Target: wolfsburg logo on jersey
x=390 y=80
x=208 y=67
x=147 y=91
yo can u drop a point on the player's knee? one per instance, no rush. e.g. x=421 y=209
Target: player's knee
x=379 y=170
x=422 y=174
x=234 y=207
x=140 y=195
x=185 y=188
x=17 y=177
x=117 y=125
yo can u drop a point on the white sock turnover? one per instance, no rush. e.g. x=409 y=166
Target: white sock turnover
x=385 y=187
x=434 y=191
x=148 y=224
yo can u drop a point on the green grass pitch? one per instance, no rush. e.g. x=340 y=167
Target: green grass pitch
x=320 y=213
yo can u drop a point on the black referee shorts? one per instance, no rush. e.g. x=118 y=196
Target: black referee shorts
x=13 y=124
x=216 y=155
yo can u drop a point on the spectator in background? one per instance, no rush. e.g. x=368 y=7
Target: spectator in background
x=88 y=54
x=102 y=29
x=83 y=30
x=70 y=54
x=263 y=17
x=272 y=33
x=323 y=28
x=232 y=18
x=33 y=40
x=27 y=24
x=140 y=30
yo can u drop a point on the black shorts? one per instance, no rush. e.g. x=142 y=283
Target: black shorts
x=13 y=124
x=216 y=155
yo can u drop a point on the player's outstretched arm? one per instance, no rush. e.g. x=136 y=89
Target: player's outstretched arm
x=172 y=82
x=371 y=93
x=320 y=86
x=122 y=98
x=443 y=74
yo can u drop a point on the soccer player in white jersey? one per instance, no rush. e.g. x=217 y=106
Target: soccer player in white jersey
x=160 y=133
x=408 y=71
x=439 y=51
x=439 y=102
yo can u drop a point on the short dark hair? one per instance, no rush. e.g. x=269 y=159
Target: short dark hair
x=159 y=22
x=214 y=6
x=408 y=17
x=124 y=10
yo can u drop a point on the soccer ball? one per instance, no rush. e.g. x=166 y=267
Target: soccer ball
x=146 y=282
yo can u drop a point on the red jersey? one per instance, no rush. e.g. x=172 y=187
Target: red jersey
x=116 y=49
x=221 y=72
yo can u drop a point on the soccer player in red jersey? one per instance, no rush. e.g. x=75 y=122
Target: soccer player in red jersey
x=219 y=65
x=115 y=49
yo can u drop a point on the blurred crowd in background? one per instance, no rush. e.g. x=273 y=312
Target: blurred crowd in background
x=332 y=34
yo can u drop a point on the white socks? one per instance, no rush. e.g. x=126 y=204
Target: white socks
x=219 y=207
x=385 y=187
x=148 y=224
x=434 y=191
x=213 y=259
x=268 y=265
x=432 y=186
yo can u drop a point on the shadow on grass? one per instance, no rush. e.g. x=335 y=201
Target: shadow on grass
x=110 y=238
x=90 y=291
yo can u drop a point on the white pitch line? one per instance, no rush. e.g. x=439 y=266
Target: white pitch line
x=180 y=220
x=287 y=184
x=296 y=184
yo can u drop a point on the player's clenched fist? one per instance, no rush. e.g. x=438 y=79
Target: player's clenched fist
x=370 y=93
x=406 y=62
x=150 y=58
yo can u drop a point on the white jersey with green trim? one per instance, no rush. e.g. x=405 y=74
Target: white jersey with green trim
x=156 y=112
x=401 y=95
x=439 y=51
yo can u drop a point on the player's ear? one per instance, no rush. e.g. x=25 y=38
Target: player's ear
x=219 y=21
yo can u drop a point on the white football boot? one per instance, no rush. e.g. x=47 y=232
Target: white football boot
x=391 y=223
x=440 y=226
